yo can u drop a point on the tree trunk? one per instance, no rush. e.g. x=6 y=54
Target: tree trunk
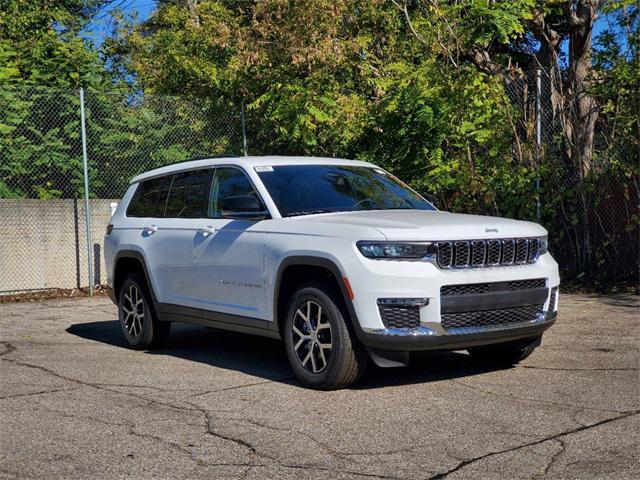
x=582 y=112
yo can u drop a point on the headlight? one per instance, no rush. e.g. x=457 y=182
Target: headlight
x=543 y=246
x=396 y=250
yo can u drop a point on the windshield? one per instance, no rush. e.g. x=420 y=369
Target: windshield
x=307 y=189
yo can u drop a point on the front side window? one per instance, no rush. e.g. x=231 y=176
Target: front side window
x=307 y=189
x=229 y=182
x=189 y=194
x=150 y=198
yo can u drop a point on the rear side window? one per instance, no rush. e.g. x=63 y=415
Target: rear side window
x=189 y=194
x=150 y=198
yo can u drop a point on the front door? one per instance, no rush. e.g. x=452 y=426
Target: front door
x=230 y=253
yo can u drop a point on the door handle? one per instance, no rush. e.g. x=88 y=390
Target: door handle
x=206 y=231
x=151 y=228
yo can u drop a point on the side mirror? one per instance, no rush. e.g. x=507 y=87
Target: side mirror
x=242 y=207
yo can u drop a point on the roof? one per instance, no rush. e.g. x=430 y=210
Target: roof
x=246 y=163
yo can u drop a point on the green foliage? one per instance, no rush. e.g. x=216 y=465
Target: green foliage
x=401 y=84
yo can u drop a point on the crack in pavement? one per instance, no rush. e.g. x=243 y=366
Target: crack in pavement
x=37 y=393
x=534 y=400
x=554 y=458
x=97 y=386
x=348 y=472
x=150 y=387
x=556 y=436
x=235 y=387
x=209 y=429
x=8 y=348
x=330 y=450
x=559 y=369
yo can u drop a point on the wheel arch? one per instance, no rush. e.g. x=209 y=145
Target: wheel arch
x=315 y=264
x=127 y=261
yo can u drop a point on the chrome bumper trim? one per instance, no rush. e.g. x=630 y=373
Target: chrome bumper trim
x=402 y=332
x=437 y=330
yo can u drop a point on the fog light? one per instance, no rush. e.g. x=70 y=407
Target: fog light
x=403 y=302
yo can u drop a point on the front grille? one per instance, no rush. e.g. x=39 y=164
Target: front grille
x=400 y=317
x=479 y=288
x=487 y=253
x=491 y=318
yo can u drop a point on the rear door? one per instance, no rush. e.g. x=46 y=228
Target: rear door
x=168 y=212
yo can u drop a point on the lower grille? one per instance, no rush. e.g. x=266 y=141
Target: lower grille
x=400 y=317
x=476 y=288
x=489 y=318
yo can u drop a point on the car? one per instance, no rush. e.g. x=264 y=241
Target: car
x=339 y=259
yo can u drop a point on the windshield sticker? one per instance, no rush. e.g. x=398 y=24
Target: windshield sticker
x=263 y=168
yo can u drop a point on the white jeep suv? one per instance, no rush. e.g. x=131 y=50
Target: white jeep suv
x=337 y=258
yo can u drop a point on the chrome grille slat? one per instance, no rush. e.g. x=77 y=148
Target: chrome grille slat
x=461 y=254
x=445 y=254
x=522 y=250
x=494 y=251
x=478 y=253
x=534 y=246
x=487 y=253
x=508 y=252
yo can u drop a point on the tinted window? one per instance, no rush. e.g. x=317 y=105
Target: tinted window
x=306 y=189
x=229 y=182
x=189 y=194
x=150 y=197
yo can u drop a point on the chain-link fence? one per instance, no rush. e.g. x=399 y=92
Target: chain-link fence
x=45 y=243
x=592 y=215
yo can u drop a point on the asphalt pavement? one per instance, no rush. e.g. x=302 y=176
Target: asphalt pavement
x=75 y=402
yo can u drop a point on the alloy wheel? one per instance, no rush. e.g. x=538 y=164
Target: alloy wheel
x=134 y=311
x=312 y=340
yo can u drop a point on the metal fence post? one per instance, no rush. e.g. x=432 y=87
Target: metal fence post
x=244 y=131
x=87 y=208
x=538 y=140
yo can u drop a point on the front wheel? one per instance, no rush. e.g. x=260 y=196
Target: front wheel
x=321 y=349
x=505 y=354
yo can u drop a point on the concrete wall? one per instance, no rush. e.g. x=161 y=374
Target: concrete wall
x=43 y=243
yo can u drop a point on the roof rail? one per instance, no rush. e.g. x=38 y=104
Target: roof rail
x=205 y=157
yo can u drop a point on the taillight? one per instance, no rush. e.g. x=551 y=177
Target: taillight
x=109 y=229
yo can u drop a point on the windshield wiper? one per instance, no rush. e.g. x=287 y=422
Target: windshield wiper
x=313 y=211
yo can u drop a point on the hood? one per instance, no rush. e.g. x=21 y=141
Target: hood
x=432 y=225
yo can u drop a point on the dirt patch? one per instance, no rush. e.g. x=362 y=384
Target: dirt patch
x=48 y=294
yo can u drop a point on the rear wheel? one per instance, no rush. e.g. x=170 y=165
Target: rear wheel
x=505 y=354
x=321 y=349
x=138 y=321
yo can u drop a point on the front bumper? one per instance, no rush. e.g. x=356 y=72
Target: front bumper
x=425 y=339
x=388 y=280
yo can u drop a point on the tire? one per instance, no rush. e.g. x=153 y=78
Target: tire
x=505 y=354
x=313 y=364
x=138 y=321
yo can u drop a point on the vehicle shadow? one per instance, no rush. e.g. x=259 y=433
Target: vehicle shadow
x=265 y=358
